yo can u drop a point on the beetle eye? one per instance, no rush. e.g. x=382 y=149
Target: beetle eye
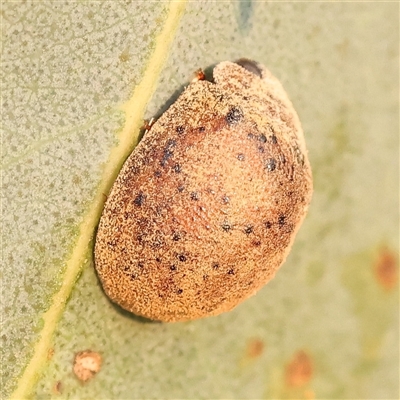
x=250 y=65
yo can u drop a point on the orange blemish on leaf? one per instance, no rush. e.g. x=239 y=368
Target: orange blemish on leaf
x=57 y=388
x=386 y=269
x=255 y=348
x=50 y=354
x=299 y=371
x=199 y=75
x=309 y=394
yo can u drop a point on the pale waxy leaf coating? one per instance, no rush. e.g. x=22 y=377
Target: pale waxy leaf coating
x=207 y=206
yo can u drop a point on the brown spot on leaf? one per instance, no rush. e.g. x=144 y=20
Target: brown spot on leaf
x=299 y=371
x=124 y=56
x=386 y=269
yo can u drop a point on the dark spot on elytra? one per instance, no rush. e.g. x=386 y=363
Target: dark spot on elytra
x=231 y=272
x=172 y=267
x=134 y=169
x=194 y=196
x=182 y=257
x=158 y=259
x=160 y=210
x=157 y=243
x=139 y=199
x=274 y=140
x=270 y=164
x=268 y=225
x=133 y=276
x=157 y=173
x=261 y=149
x=202 y=129
x=177 y=236
x=291 y=173
x=215 y=265
x=281 y=220
x=177 y=168
x=209 y=190
x=240 y=157
x=226 y=226
x=205 y=277
x=171 y=143
x=166 y=156
x=234 y=115
x=225 y=199
x=140 y=264
x=262 y=138
x=126 y=215
x=158 y=240
x=248 y=229
x=256 y=243
x=168 y=152
x=299 y=155
x=179 y=291
x=250 y=136
x=180 y=129
x=181 y=189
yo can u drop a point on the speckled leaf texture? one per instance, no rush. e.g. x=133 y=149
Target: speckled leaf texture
x=78 y=78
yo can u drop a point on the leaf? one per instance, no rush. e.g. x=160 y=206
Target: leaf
x=77 y=80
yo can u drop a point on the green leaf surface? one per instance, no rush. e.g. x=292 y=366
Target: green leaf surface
x=78 y=78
